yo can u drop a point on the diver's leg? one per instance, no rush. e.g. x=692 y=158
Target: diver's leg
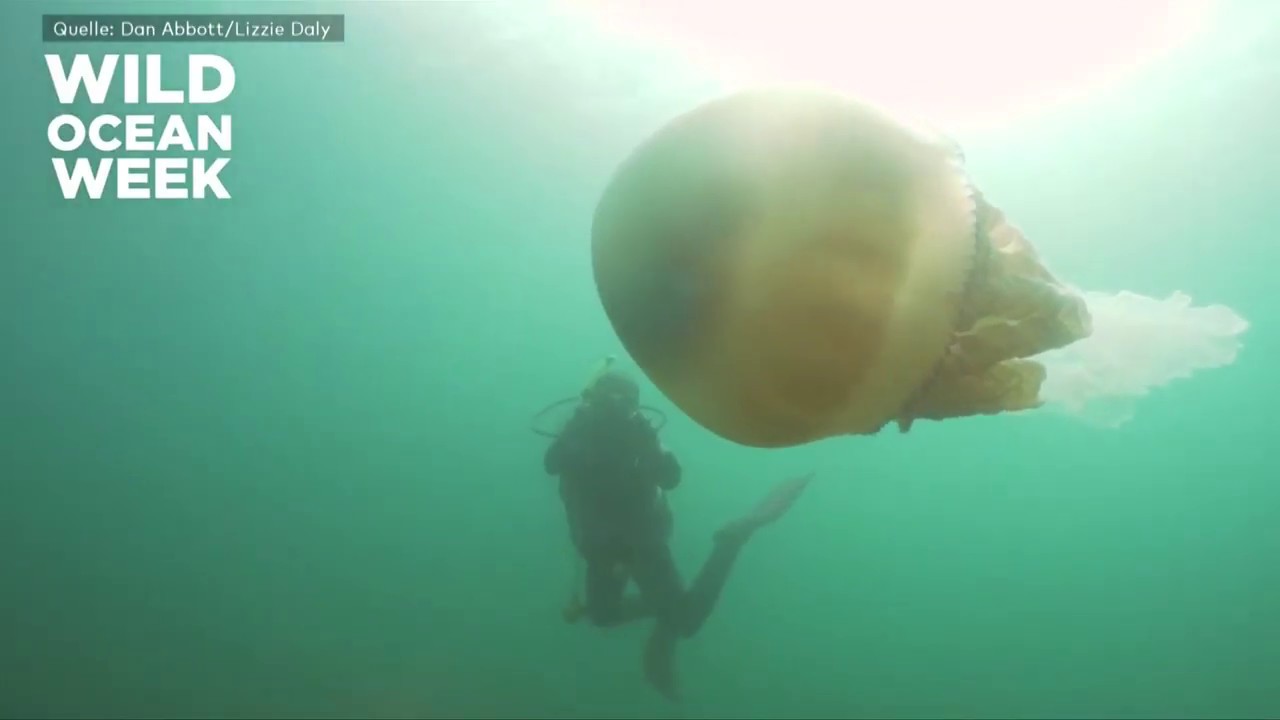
x=662 y=591
x=607 y=604
x=679 y=613
x=604 y=593
x=654 y=569
x=685 y=610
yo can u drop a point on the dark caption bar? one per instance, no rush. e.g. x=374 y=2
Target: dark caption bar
x=194 y=28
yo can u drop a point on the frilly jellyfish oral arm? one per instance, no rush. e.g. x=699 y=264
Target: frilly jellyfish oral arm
x=1138 y=343
x=1031 y=341
x=1013 y=309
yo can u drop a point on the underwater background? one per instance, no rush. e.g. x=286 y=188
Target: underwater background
x=272 y=457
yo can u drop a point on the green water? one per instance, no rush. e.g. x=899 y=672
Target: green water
x=270 y=457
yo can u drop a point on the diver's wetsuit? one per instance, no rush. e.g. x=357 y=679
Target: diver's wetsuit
x=611 y=472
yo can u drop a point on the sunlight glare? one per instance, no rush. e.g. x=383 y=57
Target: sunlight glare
x=970 y=65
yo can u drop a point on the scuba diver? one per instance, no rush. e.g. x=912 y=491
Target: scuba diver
x=614 y=475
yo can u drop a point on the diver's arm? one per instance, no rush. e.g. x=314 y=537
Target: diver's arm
x=553 y=459
x=560 y=453
x=667 y=471
x=659 y=463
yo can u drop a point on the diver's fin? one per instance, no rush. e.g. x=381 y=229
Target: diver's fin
x=768 y=510
x=660 y=661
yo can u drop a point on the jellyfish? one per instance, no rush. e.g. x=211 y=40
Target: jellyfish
x=788 y=265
